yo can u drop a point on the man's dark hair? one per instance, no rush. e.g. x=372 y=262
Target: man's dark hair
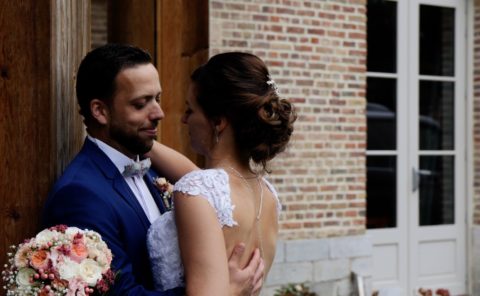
x=98 y=70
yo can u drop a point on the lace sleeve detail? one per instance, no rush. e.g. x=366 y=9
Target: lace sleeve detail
x=212 y=185
x=275 y=194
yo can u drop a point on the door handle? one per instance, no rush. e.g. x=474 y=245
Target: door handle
x=416 y=177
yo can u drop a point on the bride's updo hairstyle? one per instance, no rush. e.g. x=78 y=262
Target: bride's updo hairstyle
x=237 y=86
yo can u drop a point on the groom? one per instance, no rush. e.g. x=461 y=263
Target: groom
x=118 y=91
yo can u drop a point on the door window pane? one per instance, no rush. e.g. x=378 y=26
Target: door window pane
x=381 y=191
x=437 y=36
x=381 y=113
x=436 y=115
x=382 y=36
x=436 y=190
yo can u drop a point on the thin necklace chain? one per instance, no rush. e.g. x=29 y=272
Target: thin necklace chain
x=259 y=212
x=260 y=207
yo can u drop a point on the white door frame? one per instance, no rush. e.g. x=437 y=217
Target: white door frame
x=402 y=240
x=470 y=143
x=440 y=233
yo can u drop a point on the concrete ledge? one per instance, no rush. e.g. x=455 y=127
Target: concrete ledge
x=326 y=264
x=350 y=246
x=306 y=250
x=327 y=270
x=282 y=273
x=475 y=265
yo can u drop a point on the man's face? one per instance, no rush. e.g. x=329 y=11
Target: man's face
x=135 y=110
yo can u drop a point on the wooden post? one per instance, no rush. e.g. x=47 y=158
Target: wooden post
x=37 y=129
x=132 y=22
x=26 y=164
x=70 y=43
x=183 y=46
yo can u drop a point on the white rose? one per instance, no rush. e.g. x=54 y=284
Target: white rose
x=45 y=236
x=99 y=257
x=24 y=275
x=90 y=271
x=161 y=181
x=90 y=243
x=68 y=269
x=101 y=245
x=21 y=256
x=93 y=235
x=72 y=231
x=55 y=257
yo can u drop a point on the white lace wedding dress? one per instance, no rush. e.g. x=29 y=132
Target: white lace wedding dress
x=162 y=239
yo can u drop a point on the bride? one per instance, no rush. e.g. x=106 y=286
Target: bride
x=237 y=121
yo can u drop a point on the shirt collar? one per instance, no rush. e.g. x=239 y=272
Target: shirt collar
x=119 y=159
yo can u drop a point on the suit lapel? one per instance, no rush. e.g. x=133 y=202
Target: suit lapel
x=110 y=171
x=128 y=196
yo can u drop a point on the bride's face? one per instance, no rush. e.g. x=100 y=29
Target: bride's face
x=200 y=129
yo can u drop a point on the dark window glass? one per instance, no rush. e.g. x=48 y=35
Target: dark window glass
x=436 y=190
x=437 y=36
x=436 y=115
x=382 y=36
x=381 y=191
x=381 y=113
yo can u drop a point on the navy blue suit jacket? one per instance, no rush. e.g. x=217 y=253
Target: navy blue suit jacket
x=92 y=194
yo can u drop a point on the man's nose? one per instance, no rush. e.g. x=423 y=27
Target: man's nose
x=157 y=112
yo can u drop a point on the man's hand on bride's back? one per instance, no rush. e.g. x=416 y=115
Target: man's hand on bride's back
x=249 y=280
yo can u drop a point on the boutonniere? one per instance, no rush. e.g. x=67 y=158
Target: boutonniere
x=166 y=191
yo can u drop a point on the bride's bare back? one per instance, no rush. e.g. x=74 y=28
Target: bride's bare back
x=261 y=233
x=214 y=212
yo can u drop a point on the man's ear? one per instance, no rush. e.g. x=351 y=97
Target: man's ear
x=99 y=111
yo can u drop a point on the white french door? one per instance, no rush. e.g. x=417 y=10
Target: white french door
x=416 y=165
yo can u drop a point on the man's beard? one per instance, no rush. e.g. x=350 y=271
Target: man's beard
x=132 y=142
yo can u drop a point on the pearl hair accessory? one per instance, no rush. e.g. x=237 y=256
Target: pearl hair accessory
x=272 y=84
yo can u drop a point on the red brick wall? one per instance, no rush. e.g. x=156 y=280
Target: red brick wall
x=316 y=52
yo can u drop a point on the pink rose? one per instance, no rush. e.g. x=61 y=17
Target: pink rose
x=39 y=259
x=79 y=251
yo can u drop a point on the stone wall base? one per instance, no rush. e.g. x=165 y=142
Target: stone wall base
x=475 y=265
x=328 y=266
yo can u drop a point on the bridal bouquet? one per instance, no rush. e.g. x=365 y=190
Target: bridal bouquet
x=59 y=260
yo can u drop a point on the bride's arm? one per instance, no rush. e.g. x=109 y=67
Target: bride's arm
x=169 y=163
x=202 y=247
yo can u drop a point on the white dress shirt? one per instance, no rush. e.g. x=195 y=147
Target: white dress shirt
x=136 y=183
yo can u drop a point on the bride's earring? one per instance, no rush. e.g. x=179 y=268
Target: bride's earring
x=216 y=136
